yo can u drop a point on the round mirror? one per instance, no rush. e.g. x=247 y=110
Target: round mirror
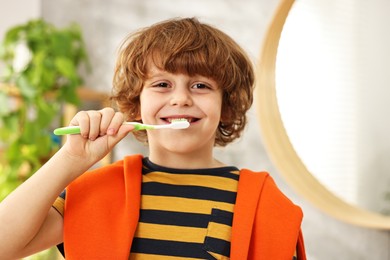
x=322 y=102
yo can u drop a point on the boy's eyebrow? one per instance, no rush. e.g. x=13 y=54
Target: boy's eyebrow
x=150 y=76
x=152 y=72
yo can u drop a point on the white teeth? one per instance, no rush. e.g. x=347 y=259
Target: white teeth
x=171 y=120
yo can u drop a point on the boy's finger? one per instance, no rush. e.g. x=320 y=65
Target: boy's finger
x=81 y=119
x=115 y=124
x=107 y=116
x=95 y=118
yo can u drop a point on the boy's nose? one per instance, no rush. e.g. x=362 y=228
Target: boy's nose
x=181 y=98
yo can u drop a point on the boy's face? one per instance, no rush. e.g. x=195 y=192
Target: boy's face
x=166 y=96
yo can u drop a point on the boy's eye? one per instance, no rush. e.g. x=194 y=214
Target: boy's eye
x=200 y=86
x=162 y=85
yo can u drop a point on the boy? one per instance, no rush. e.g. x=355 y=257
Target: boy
x=177 y=203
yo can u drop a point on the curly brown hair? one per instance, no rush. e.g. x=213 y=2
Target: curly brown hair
x=193 y=48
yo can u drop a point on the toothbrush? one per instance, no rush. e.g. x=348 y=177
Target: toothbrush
x=177 y=124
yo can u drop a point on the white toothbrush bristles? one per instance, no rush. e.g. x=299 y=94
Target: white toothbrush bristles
x=179 y=124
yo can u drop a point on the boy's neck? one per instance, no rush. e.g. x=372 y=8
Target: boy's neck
x=184 y=161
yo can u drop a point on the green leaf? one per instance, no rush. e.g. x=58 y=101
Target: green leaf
x=14 y=34
x=26 y=89
x=47 y=111
x=61 y=43
x=66 y=67
x=34 y=73
x=9 y=130
x=68 y=93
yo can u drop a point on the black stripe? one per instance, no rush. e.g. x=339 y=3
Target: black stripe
x=169 y=248
x=184 y=191
x=219 y=172
x=63 y=194
x=222 y=217
x=218 y=246
x=174 y=218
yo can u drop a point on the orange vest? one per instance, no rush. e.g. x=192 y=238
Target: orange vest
x=102 y=210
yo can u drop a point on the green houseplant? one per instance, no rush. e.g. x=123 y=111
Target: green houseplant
x=41 y=71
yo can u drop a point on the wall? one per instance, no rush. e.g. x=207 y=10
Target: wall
x=16 y=12
x=105 y=24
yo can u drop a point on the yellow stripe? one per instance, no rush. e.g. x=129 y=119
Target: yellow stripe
x=134 y=256
x=221 y=183
x=171 y=233
x=182 y=204
x=59 y=204
x=220 y=231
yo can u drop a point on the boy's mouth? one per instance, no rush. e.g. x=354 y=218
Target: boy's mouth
x=172 y=119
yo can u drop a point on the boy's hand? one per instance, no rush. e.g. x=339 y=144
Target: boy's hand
x=100 y=132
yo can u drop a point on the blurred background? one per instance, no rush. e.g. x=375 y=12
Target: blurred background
x=105 y=23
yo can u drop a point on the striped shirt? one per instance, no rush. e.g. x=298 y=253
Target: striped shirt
x=185 y=214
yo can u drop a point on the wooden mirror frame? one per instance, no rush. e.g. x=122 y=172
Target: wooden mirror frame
x=279 y=146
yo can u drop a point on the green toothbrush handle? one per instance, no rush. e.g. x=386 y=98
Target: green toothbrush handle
x=69 y=130
x=72 y=130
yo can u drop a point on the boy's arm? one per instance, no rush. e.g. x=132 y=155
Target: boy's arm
x=28 y=223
